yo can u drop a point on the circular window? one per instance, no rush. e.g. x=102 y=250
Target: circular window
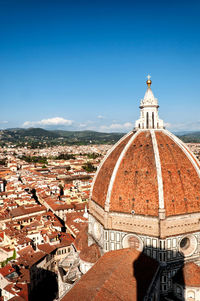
x=132 y=241
x=185 y=243
x=188 y=245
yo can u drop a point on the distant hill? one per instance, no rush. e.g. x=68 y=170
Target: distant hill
x=33 y=132
x=38 y=137
x=90 y=135
x=190 y=137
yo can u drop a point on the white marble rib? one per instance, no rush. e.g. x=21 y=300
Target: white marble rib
x=159 y=171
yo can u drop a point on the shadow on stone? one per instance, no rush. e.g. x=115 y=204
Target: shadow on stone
x=165 y=269
x=46 y=287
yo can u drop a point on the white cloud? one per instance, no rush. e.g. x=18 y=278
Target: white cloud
x=167 y=125
x=82 y=125
x=186 y=126
x=117 y=126
x=87 y=124
x=126 y=125
x=49 y=121
x=3 y=121
x=100 y=117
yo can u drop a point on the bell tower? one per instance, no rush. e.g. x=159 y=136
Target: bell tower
x=149 y=118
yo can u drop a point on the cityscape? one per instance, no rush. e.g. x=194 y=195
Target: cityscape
x=99 y=151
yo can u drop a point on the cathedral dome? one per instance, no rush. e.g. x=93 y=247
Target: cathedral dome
x=149 y=172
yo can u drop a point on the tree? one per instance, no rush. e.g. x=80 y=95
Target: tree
x=93 y=155
x=61 y=189
x=3 y=161
x=14 y=254
x=89 y=167
x=65 y=157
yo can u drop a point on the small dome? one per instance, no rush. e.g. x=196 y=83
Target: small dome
x=90 y=254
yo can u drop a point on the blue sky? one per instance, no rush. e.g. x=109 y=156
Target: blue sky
x=83 y=64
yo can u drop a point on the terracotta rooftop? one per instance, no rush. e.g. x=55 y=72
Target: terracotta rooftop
x=24 y=275
x=22 y=210
x=66 y=239
x=18 y=289
x=7 y=270
x=189 y=275
x=46 y=248
x=81 y=240
x=30 y=259
x=123 y=275
x=75 y=222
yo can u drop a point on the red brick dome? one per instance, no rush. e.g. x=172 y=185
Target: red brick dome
x=147 y=171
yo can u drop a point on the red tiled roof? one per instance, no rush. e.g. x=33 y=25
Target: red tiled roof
x=75 y=222
x=66 y=239
x=22 y=210
x=81 y=240
x=30 y=259
x=7 y=270
x=46 y=248
x=80 y=206
x=189 y=275
x=24 y=275
x=118 y=275
x=19 y=290
x=26 y=251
